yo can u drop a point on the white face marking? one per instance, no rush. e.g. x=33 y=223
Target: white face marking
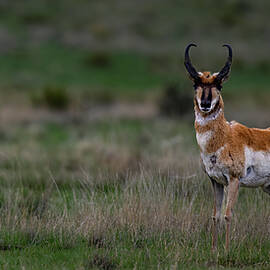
x=257 y=168
x=213 y=104
x=203 y=139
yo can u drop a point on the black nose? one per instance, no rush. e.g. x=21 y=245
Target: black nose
x=205 y=104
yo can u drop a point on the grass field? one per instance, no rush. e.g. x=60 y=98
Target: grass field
x=115 y=193
x=94 y=172
x=108 y=181
x=105 y=180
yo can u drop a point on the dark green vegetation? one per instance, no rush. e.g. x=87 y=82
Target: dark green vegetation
x=93 y=172
x=140 y=52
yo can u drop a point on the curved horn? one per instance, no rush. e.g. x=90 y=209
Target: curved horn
x=191 y=70
x=226 y=69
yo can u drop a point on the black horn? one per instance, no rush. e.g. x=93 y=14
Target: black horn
x=191 y=70
x=223 y=74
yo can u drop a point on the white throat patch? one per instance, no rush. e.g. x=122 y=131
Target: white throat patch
x=204 y=120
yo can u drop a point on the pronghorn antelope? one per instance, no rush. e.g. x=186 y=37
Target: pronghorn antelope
x=232 y=154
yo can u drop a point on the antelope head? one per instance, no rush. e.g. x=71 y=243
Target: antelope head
x=207 y=86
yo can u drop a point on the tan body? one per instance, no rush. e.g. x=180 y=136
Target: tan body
x=233 y=150
x=232 y=154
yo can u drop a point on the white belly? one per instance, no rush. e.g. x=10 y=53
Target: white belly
x=257 y=168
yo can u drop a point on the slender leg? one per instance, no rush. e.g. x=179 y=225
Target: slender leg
x=232 y=197
x=218 y=198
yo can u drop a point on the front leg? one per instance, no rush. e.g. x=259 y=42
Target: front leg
x=218 y=198
x=233 y=188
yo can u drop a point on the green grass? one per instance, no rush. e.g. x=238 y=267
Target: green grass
x=117 y=194
x=123 y=250
x=126 y=250
x=52 y=64
x=127 y=74
x=44 y=257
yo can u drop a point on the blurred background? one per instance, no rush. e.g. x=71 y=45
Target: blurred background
x=125 y=58
x=97 y=145
x=101 y=85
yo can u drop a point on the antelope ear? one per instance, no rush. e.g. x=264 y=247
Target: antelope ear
x=223 y=79
x=196 y=80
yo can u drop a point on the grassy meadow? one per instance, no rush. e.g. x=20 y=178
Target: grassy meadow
x=116 y=193
x=99 y=167
x=95 y=180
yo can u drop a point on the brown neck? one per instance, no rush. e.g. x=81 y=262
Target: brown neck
x=214 y=122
